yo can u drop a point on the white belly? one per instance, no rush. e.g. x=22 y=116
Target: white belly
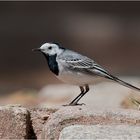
x=77 y=78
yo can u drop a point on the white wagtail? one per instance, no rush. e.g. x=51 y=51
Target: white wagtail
x=74 y=68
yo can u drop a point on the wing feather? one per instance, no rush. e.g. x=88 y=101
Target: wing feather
x=82 y=63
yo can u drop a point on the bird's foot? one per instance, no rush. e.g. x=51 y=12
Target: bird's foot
x=74 y=104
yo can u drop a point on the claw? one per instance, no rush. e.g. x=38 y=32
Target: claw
x=74 y=104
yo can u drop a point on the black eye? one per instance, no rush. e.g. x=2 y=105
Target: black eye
x=50 y=48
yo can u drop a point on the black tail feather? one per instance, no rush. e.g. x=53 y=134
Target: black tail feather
x=124 y=83
x=107 y=75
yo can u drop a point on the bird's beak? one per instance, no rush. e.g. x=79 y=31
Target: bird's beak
x=36 y=49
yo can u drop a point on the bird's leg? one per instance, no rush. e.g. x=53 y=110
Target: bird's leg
x=86 y=90
x=76 y=100
x=82 y=92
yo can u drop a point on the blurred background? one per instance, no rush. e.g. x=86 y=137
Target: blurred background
x=108 y=32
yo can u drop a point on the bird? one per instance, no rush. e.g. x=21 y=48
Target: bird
x=74 y=68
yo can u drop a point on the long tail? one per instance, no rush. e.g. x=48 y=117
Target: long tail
x=101 y=72
x=124 y=83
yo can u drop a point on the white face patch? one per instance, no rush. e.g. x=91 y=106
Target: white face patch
x=50 y=49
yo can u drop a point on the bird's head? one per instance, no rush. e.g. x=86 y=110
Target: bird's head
x=50 y=49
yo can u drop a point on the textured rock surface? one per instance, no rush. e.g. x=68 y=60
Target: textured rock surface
x=14 y=122
x=100 y=132
x=39 y=117
x=68 y=116
x=17 y=122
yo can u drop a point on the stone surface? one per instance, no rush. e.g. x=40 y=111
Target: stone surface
x=17 y=122
x=39 y=117
x=83 y=115
x=14 y=122
x=100 y=132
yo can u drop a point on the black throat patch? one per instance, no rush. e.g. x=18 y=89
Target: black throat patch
x=52 y=63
